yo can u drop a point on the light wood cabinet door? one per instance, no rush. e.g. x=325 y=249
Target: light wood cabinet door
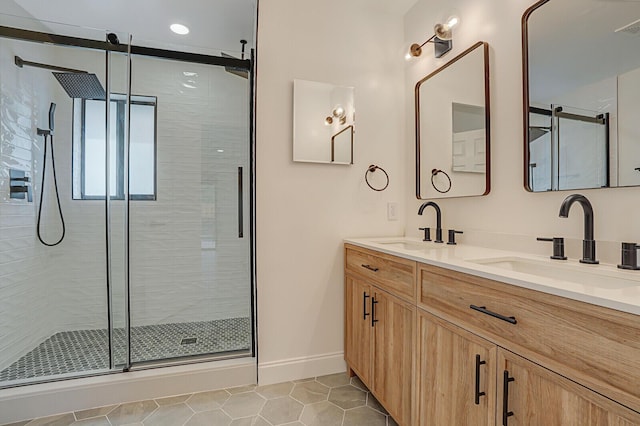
x=531 y=395
x=595 y=346
x=393 y=329
x=358 y=330
x=455 y=377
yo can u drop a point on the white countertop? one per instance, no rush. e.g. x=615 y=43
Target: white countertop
x=602 y=284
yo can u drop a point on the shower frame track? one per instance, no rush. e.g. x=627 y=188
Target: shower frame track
x=42 y=37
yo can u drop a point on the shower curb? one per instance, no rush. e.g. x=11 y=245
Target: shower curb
x=46 y=399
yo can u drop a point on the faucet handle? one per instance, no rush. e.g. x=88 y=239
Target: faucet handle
x=558 y=247
x=452 y=237
x=629 y=256
x=427 y=234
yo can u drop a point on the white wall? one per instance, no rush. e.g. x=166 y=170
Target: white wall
x=305 y=210
x=508 y=208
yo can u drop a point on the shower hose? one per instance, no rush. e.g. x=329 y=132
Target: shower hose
x=55 y=185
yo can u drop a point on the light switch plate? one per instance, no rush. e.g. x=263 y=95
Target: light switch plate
x=392 y=211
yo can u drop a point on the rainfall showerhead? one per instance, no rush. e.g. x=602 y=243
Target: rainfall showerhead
x=81 y=85
x=240 y=72
x=77 y=83
x=536 y=132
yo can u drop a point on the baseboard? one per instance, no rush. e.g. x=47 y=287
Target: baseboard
x=46 y=399
x=300 y=368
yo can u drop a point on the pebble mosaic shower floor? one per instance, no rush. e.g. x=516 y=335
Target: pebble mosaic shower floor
x=87 y=350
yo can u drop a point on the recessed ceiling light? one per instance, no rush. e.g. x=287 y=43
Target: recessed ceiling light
x=221 y=150
x=179 y=29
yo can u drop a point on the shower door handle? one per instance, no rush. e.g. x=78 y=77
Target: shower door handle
x=240 y=205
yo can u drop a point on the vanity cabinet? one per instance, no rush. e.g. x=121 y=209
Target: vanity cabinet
x=379 y=327
x=594 y=346
x=485 y=352
x=455 y=375
x=553 y=358
x=463 y=379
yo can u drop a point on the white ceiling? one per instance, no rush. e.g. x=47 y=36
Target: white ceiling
x=215 y=24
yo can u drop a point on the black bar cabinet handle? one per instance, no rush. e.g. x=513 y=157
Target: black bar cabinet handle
x=478 y=394
x=505 y=397
x=365 y=296
x=484 y=310
x=240 y=205
x=374 y=302
x=371 y=268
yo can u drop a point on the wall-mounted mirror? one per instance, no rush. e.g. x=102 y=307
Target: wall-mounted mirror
x=581 y=69
x=323 y=122
x=452 y=128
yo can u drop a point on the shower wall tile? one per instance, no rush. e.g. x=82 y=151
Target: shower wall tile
x=172 y=278
x=26 y=316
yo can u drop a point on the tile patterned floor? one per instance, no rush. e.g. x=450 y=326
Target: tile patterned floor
x=333 y=400
x=87 y=350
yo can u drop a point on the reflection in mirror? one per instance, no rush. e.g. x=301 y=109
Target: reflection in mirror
x=342 y=146
x=581 y=68
x=323 y=122
x=452 y=128
x=468 y=143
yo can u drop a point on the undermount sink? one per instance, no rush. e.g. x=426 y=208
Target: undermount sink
x=410 y=245
x=596 y=276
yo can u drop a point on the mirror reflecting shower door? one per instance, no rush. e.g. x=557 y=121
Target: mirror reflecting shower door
x=54 y=301
x=189 y=240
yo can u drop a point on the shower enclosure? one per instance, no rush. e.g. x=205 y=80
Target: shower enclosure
x=155 y=185
x=568 y=148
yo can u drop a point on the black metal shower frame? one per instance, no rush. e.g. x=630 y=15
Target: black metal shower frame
x=240 y=64
x=41 y=37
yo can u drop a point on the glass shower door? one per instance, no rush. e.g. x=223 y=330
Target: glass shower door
x=189 y=242
x=55 y=295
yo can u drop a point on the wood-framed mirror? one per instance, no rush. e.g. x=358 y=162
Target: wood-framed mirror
x=452 y=113
x=581 y=82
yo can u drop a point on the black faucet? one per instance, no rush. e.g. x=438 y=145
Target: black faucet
x=588 y=243
x=438 y=218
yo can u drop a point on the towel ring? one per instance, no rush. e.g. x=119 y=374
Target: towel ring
x=372 y=168
x=434 y=173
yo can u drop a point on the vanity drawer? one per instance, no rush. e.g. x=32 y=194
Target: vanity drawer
x=596 y=346
x=390 y=273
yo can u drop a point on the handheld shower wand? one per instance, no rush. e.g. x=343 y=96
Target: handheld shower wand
x=48 y=136
x=52 y=112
